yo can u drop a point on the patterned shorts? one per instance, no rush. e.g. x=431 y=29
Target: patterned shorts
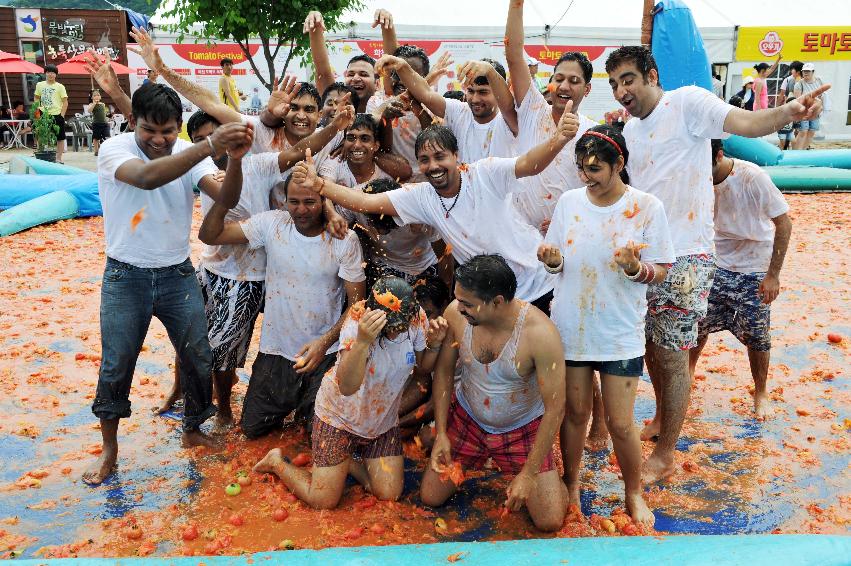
x=735 y=305
x=332 y=446
x=472 y=446
x=676 y=305
x=231 y=307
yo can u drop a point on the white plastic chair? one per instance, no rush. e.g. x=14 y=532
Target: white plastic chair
x=117 y=120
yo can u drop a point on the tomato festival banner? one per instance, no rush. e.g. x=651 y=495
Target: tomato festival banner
x=804 y=43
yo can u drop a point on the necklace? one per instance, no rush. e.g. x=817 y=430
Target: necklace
x=454 y=201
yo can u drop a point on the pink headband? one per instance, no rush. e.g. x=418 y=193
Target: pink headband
x=604 y=137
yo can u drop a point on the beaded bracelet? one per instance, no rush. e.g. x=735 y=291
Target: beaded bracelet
x=646 y=273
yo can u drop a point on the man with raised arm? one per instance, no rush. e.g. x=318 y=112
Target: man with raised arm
x=465 y=204
x=145 y=181
x=478 y=125
x=536 y=120
x=671 y=158
x=510 y=398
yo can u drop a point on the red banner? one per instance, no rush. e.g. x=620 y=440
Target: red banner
x=375 y=49
x=549 y=54
x=201 y=54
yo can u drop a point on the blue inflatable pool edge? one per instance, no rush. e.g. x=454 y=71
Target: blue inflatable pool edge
x=746 y=550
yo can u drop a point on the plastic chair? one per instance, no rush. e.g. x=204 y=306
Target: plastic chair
x=117 y=120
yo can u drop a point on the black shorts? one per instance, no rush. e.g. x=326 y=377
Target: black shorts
x=623 y=368
x=100 y=131
x=60 y=121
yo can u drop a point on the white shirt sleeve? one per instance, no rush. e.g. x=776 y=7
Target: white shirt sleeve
x=496 y=174
x=408 y=202
x=555 y=232
x=771 y=200
x=115 y=154
x=657 y=235
x=201 y=170
x=350 y=257
x=704 y=113
x=328 y=169
x=457 y=116
x=257 y=227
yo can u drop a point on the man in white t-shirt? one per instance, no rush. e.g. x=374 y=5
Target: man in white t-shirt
x=308 y=276
x=752 y=231
x=534 y=120
x=478 y=124
x=669 y=144
x=145 y=182
x=466 y=204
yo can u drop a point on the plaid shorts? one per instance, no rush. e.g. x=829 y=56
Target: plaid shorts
x=676 y=305
x=332 y=446
x=472 y=446
x=231 y=307
x=735 y=305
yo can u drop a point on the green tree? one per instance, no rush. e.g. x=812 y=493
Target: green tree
x=274 y=22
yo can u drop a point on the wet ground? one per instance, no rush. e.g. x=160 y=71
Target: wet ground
x=734 y=474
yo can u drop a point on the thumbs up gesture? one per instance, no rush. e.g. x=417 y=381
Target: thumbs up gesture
x=568 y=125
x=304 y=173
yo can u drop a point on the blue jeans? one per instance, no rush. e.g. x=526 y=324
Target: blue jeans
x=130 y=296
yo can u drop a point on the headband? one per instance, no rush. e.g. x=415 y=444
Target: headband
x=604 y=137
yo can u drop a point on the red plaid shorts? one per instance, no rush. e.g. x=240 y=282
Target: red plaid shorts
x=472 y=445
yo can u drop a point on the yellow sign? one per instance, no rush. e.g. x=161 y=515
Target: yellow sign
x=802 y=43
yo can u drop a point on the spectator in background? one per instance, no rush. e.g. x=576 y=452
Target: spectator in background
x=228 y=93
x=256 y=103
x=152 y=77
x=737 y=101
x=746 y=94
x=100 y=126
x=788 y=84
x=53 y=98
x=806 y=85
x=760 y=86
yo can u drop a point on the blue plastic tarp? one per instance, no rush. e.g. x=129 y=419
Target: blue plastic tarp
x=17 y=189
x=678 y=47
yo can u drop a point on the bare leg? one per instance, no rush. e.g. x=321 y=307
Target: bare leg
x=192 y=438
x=619 y=399
x=60 y=150
x=651 y=429
x=433 y=491
x=694 y=354
x=759 y=370
x=320 y=489
x=672 y=369
x=547 y=504
x=598 y=436
x=574 y=427
x=386 y=477
x=103 y=467
x=174 y=394
x=223 y=381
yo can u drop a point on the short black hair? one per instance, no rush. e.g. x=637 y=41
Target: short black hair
x=376 y=186
x=157 y=103
x=454 y=95
x=51 y=68
x=225 y=61
x=797 y=65
x=440 y=136
x=309 y=89
x=717 y=145
x=496 y=65
x=761 y=66
x=366 y=122
x=413 y=52
x=487 y=276
x=341 y=88
x=198 y=120
x=432 y=288
x=736 y=101
x=579 y=58
x=589 y=144
x=362 y=57
x=638 y=54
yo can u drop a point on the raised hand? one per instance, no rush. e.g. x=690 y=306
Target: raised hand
x=102 y=71
x=439 y=69
x=473 y=69
x=370 y=326
x=389 y=63
x=314 y=22
x=806 y=107
x=549 y=255
x=240 y=148
x=437 y=329
x=283 y=92
x=568 y=125
x=304 y=173
x=232 y=137
x=628 y=257
x=382 y=18
x=147 y=50
x=345 y=113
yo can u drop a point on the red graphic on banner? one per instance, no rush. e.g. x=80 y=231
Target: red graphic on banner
x=549 y=54
x=201 y=54
x=375 y=49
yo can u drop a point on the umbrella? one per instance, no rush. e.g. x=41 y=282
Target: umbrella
x=76 y=65
x=12 y=63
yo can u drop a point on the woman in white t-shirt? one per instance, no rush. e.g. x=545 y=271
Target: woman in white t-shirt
x=356 y=422
x=606 y=242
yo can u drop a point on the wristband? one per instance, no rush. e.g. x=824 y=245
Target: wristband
x=556 y=269
x=435 y=349
x=212 y=147
x=646 y=273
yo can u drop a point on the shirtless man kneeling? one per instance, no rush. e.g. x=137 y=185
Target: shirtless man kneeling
x=509 y=402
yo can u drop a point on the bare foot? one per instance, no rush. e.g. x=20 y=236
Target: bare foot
x=639 y=511
x=572 y=494
x=270 y=462
x=651 y=429
x=102 y=468
x=656 y=468
x=597 y=439
x=223 y=421
x=198 y=438
x=762 y=406
x=173 y=397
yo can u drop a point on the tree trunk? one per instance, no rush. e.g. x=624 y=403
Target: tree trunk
x=244 y=47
